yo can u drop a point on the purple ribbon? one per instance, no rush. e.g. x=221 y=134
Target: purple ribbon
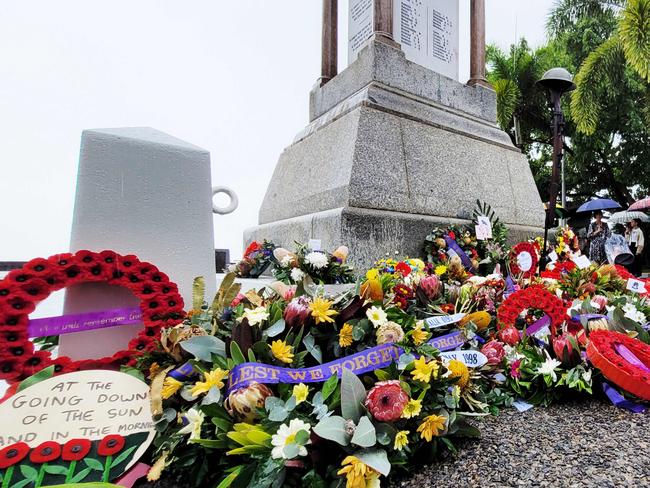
x=67 y=324
x=588 y=316
x=453 y=245
x=620 y=401
x=630 y=357
x=183 y=373
x=538 y=325
x=510 y=287
x=371 y=359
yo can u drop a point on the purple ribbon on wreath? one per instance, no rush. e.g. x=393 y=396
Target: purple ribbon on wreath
x=453 y=245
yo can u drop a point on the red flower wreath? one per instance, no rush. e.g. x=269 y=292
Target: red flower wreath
x=23 y=288
x=523 y=247
x=602 y=353
x=536 y=297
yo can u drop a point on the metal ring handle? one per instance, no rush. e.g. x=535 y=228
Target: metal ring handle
x=231 y=207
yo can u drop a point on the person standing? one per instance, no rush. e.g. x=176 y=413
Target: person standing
x=597 y=234
x=636 y=241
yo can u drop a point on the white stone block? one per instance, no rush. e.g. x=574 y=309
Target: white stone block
x=139 y=191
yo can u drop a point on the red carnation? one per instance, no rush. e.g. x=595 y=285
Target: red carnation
x=110 y=445
x=252 y=247
x=45 y=452
x=13 y=454
x=386 y=401
x=10 y=368
x=452 y=234
x=403 y=268
x=509 y=335
x=76 y=449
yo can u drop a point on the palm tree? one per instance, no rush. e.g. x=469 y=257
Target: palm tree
x=627 y=47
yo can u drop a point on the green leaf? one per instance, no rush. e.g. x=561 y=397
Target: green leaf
x=353 y=394
x=54 y=469
x=81 y=475
x=124 y=455
x=329 y=386
x=333 y=429
x=376 y=459
x=28 y=472
x=364 y=434
x=202 y=347
x=236 y=354
x=276 y=329
x=313 y=348
x=94 y=464
x=43 y=374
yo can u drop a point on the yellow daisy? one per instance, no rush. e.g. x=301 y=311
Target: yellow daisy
x=170 y=387
x=412 y=409
x=345 y=336
x=419 y=335
x=440 y=269
x=300 y=391
x=358 y=474
x=401 y=440
x=282 y=351
x=431 y=426
x=321 y=310
x=424 y=371
x=212 y=379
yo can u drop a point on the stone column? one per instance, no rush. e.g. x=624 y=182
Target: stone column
x=477 y=44
x=329 y=50
x=383 y=20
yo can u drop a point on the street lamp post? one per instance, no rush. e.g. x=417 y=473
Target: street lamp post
x=557 y=81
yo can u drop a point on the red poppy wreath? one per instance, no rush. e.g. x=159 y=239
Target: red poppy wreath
x=535 y=297
x=22 y=289
x=524 y=259
x=622 y=359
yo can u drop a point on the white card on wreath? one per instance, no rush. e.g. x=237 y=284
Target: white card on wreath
x=637 y=286
x=582 y=261
x=314 y=244
x=484 y=221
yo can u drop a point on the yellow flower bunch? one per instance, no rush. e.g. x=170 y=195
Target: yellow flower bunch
x=345 y=336
x=358 y=474
x=423 y=371
x=431 y=426
x=321 y=310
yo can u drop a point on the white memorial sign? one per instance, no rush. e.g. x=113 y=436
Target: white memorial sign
x=427 y=31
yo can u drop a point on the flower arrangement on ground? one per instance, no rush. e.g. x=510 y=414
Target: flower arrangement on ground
x=321 y=267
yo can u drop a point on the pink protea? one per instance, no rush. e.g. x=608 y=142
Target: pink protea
x=494 y=352
x=386 y=401
x=237 y=300
x=298 y=313
x=509 y=335
x=600 y=301
x=430 y=286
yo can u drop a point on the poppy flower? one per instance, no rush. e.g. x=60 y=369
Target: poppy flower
x=19 y=302
x=126 y=263
x=45 y=452
x=13 y=454
x=142 y=344
x=39 y=267
x=76 y=449
x=61 y=261
x=37 y=289
x=10 y=368
x=63 y=365
x=108 y=257
x=110 y=445
x=20 y=349
x=10 y=335
x=386 y=401
x=11 y=319
x=37 y=361
x=159 y=277
x=18 y=276
x=86 y=258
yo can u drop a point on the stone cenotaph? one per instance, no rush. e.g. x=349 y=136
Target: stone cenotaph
x=396 y=145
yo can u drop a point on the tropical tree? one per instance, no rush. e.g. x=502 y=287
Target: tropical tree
x=628 y=46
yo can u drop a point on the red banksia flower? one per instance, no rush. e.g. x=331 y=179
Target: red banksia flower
x=13 y=454
x=45 y=452
x=110 y=445
x=76 y=449
x=386 y=401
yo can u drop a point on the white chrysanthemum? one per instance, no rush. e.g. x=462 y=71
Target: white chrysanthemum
x=549 y=366
x=297 y=275
x=286 y=435
x=255 y=316
x=194 y=419
x=317 y=259
x=285 y=262
x=377 y=316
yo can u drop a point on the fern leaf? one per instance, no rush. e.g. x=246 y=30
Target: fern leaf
x=634 y=28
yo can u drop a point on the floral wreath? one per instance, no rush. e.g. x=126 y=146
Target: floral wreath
x=536 y=297
x=23 y=288
x=523 y=247
x=602 y=353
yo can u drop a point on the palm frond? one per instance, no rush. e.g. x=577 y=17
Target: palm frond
x=591 y=79
x=634 y=28
x=565 y=13
x=508 y=95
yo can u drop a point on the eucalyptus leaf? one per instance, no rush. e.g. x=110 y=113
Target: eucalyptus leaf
x=404 y=360
x=276 y=329
x=202 y=347
x=291 y=450
x=333 y=429
x=364 y=434
x=213 y=396
x=313 y=348
x=353 y=393
x=376 y=459
x=272 y=402
x=330 y=386
x=278 y=414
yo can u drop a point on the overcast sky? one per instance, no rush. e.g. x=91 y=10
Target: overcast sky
x=230 y=76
